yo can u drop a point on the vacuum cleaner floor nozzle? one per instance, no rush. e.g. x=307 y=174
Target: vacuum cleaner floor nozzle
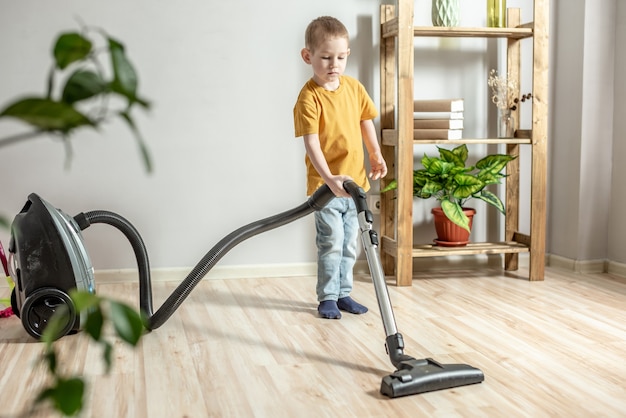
x=425 y=375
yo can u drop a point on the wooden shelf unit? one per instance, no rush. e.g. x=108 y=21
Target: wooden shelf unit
x=397 y=72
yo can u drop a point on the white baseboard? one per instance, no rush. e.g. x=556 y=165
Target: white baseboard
x=217 y=272
x=577 y=266
x=587 y=266
x=361 y=267
x=616 y=268
x=289 y=270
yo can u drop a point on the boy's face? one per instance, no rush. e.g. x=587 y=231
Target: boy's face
x=328 y=61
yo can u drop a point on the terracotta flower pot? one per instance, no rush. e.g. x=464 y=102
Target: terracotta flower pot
x=448 y=233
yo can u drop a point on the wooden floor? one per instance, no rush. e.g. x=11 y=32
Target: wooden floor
x=256 y=348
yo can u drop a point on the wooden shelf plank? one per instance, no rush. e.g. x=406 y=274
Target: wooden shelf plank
x=473 y=248
x=390 y=29
x=539 y=163
x=390 y=138
x=512 y=181
x=457 y=32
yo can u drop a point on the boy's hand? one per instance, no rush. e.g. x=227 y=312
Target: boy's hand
x=336 y=185
x=379 y=166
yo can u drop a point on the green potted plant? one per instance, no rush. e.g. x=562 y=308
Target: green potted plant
x=448 y=179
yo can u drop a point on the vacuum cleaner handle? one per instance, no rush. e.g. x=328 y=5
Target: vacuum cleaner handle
x=359 y=197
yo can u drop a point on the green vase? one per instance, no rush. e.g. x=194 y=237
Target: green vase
x=445 y=12
x=496 y=13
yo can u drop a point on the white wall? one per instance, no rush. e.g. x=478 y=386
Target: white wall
x=586 y=177
x=597 y=128
x=565 y=147
x=617 y=221
x=223 y=77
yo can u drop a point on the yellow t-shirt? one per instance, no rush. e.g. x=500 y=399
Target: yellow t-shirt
x=336 y=117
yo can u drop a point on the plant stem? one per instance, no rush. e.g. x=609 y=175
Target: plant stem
x=19 y=137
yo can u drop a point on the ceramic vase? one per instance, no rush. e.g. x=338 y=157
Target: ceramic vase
x=445 y=12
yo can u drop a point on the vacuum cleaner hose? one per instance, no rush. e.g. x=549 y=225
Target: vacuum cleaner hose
x=84 y=220
x=317 y=201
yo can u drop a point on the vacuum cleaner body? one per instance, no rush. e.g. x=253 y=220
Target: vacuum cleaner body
x=47 y=259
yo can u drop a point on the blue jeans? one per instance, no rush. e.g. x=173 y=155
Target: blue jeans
x=337 y=230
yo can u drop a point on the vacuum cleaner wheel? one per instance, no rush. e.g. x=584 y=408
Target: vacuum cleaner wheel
x=39 y=307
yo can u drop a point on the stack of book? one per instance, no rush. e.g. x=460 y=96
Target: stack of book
x=438 y=119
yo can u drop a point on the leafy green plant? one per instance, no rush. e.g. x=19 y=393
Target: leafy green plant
x=90 y=94
x=66 y=393
x=447 y=179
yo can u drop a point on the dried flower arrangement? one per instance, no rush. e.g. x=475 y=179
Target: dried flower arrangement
x=504 y=92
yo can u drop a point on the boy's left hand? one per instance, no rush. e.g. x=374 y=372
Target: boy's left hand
x=379 y=167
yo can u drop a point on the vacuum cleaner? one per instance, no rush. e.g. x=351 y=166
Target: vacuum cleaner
x=48 y=258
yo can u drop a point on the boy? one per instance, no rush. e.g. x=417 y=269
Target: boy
x=334 y=115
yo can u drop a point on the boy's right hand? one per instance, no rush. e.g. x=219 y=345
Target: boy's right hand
x=336 y=185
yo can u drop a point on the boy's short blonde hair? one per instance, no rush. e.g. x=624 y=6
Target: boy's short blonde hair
x=323 y=28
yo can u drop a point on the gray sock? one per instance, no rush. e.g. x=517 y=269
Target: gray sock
x=349 y=305
x=328 y=309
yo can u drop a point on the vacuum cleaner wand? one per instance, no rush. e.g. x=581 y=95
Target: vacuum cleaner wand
x=412 y=375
